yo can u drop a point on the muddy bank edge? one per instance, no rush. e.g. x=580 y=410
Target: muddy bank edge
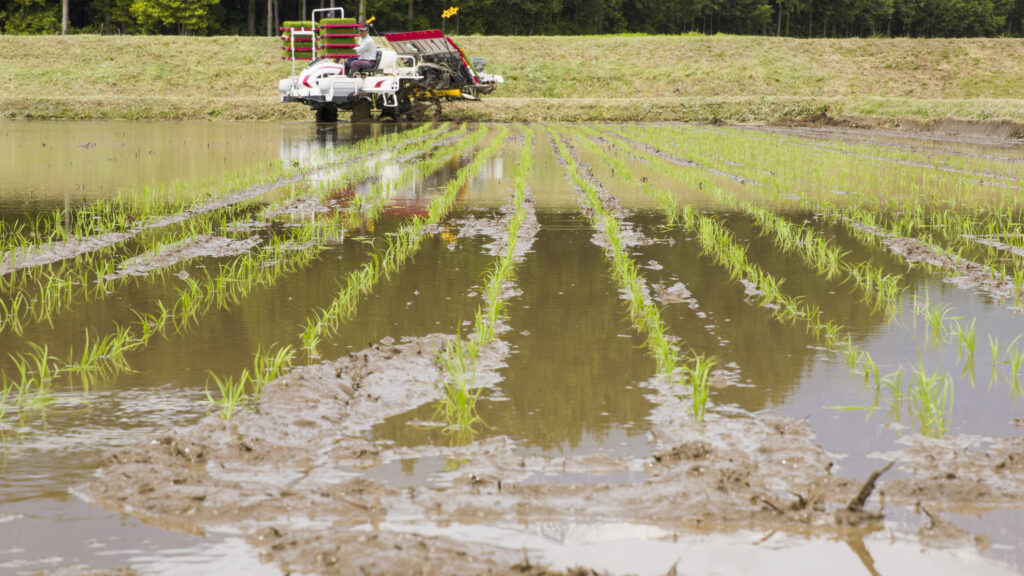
x=989 y=117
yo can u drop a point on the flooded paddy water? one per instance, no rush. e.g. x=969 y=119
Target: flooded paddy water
x=266 y=348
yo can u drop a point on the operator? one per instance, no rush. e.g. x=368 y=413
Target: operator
x=366 y=53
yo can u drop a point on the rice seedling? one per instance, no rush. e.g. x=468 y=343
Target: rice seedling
x=457 y=407
x=966 y=340
x=268 y=366
x=931 y=401
x=698 y=374
x=232 y=392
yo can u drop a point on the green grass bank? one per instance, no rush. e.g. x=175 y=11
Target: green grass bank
x=616 y=78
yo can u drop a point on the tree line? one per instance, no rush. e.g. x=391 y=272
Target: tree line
x=794 y=18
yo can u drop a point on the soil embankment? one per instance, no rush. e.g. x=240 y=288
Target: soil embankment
x=941 y=84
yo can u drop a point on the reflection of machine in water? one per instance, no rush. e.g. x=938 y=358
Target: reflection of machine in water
x=303 y=144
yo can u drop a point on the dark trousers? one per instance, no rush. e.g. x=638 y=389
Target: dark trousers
x=356 y=65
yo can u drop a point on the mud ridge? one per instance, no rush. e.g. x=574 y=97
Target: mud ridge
x=960 y=272
x=197 y=247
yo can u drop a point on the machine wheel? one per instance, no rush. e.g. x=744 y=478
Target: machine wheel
x=327 y=114
x=361 y=111
x=390 y=113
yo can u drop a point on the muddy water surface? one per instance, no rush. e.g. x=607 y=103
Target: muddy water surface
x=584 y=455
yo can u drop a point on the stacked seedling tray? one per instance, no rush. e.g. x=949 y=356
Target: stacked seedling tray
x=336 y=37
x=303 y=46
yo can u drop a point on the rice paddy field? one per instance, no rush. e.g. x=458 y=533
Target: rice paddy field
x=509 y=349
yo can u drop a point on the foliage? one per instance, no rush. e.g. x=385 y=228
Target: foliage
x=799 y=18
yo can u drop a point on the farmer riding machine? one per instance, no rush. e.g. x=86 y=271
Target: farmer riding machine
x=413 y=74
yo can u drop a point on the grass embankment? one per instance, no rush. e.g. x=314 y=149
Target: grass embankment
x=697 y=78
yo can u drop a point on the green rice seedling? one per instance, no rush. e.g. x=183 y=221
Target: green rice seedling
x=893 y=382
x=268 y=366
x=459 y=394
x=966 y=340
x=698 y=374
x=931 y=399
x=6 y=388
x=232 y=392
x=11 y=312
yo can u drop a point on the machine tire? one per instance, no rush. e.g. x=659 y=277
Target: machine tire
x=361 y=111
x=326 y=114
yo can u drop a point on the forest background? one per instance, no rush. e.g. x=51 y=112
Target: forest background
x=793 y=18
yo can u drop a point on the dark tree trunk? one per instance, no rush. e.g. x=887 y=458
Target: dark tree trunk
x=65 y=14
x=410 y=14
x=251 y=17
x=778 y=26
x=270 y=17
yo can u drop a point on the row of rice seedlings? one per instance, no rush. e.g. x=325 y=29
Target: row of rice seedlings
x=643 y=313
x=57 y=291
x=667 y=202
x=39 y=294
x=31 y=385
x=369 y=206
x=457 y=406
x=870 y=228
x=401 y=245
x=879 y=289
x=907 y=217
x=411 y=142
x=150 y=207
x=931 y=395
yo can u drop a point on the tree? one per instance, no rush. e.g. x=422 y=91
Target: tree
x=183 y=16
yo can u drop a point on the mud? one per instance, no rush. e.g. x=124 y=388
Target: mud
x=960 y=473
x=198 y=247
x=989 y=241
x=289 y=475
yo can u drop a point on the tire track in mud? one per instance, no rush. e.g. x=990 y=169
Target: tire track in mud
x=74 y=247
